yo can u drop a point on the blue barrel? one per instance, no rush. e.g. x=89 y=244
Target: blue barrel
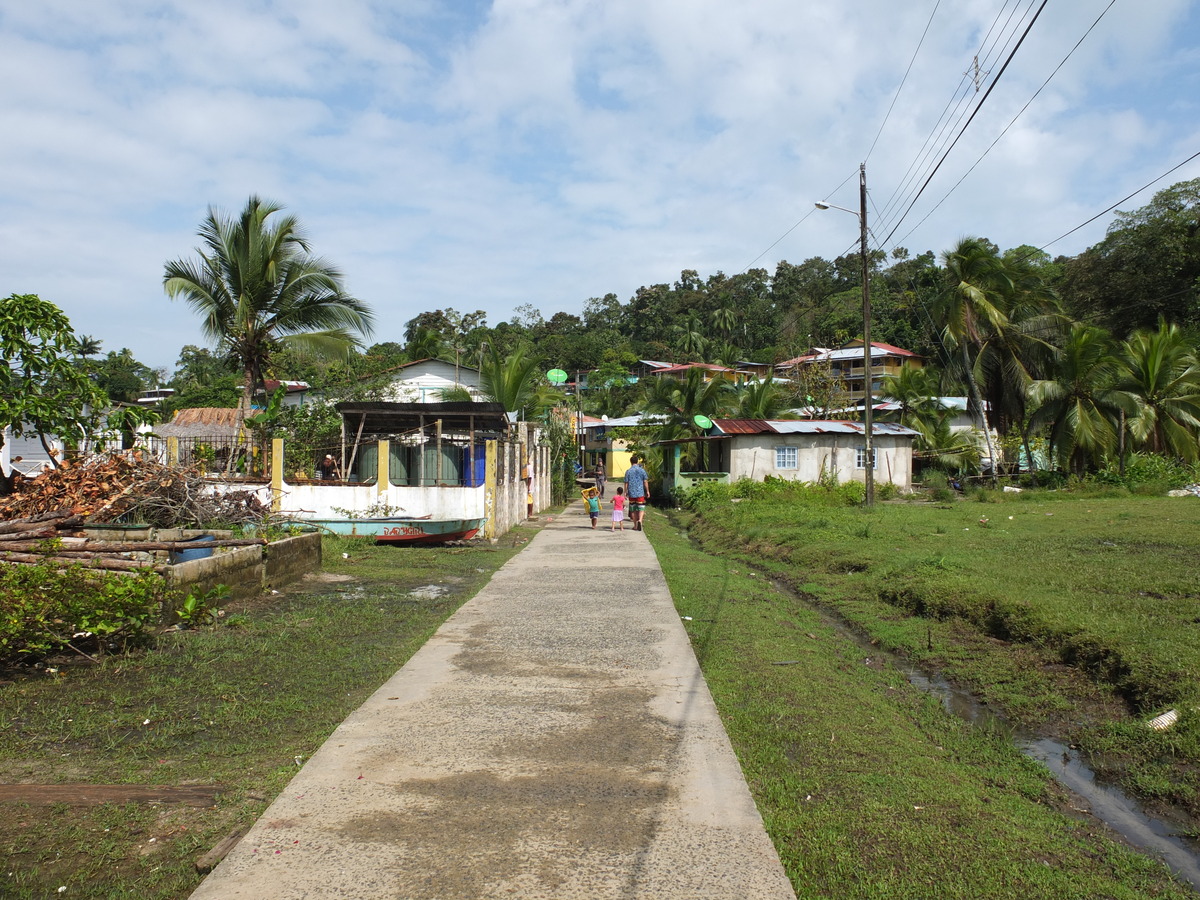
x=199 y=552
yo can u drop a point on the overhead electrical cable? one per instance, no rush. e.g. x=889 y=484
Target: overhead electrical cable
x=978 y=107
x=903 y=80
x=1122 y=200
x=1028 y=103
x=811 y=210
x=956 y=108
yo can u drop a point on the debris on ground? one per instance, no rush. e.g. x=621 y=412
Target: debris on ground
x=127 y=487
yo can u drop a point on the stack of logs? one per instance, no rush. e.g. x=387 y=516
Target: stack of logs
x=56 y=537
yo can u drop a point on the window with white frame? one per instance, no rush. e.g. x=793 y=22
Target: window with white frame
x=860 y=458
x=785 y=458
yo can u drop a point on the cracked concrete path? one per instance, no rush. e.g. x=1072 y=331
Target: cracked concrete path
x=554 y=739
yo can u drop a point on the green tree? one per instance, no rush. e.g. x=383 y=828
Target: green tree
x=1079 y=405
x=1147 y=267
x=764 y=398
x=256 y=288
x=122 y=377
x=43 y=388
x=916 y=389
x=679 y=400
x=1162 y=373
x=971 y=309
x=511 y=380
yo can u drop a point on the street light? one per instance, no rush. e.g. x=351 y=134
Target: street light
x=868 y=395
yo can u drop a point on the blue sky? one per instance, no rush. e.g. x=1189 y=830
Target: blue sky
x=484 y=156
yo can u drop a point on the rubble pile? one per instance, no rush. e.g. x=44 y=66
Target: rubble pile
x=126 y=487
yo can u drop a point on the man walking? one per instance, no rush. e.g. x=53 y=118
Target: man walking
x=637 y=486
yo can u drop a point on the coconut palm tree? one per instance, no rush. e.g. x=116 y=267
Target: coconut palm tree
x=511 y=380
x=1079 y=403
x=679 y=401
x=971 y=308
x=764 y=398
x=257 y=288
x=915 y=388
x=1162 y=373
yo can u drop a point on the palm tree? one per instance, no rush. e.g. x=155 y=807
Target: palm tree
x=916 y=390
x=679 y=401
x=1080 y=404
x=689 y=338
x=426 y=343
x=512 y=380
x=88 y=345
x=1161 y=372
x=973 y=307
x=764 y=399
x=257 y=288
x=942 y=448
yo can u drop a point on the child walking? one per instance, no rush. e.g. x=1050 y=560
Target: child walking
x=618 y=502
x=592 y=497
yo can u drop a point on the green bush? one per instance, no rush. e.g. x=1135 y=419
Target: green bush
x=44 y=609
x=1148 y=473
x=708 y=495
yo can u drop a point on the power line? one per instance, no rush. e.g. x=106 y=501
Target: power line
x=962 y=131
x=811 y=210
x=1122 y=200
x=1028 y=103
x=955 y=110
x=903 y=81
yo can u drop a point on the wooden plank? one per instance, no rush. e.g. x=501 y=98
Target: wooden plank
x=208 y=862
x=200 y=795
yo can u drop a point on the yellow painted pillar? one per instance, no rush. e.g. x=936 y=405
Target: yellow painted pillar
x=276 y=474
x=489 y=489
x=382 y=482
x=172 y=451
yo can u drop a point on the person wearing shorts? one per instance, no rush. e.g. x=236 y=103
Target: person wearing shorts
x=637 y=486
x=592 y=498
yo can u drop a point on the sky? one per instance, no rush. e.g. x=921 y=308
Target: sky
x=477 y=155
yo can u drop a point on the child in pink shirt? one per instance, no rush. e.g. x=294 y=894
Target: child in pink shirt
x=618 y=502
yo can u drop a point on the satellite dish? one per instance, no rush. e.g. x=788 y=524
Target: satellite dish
x=702 y=422
x=556 y=376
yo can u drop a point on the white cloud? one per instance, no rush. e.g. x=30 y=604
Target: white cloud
x=546 y=151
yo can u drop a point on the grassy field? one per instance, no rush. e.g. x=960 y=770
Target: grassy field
x=237 y=706
x=1076 y=615
x=868 y=788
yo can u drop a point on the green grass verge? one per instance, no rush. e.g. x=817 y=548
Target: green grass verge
x=867 y=787
x=237 y=706
x=1077 y=615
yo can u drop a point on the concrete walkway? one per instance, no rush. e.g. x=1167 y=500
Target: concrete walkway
x=554 y=739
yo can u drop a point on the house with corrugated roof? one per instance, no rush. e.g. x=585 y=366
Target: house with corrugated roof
x=800 y=450
x=846 y=367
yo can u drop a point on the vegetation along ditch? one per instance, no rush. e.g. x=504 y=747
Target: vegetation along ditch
x=1071 y=616
x=117 y=776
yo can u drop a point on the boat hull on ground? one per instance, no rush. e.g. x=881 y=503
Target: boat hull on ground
x=398 y=529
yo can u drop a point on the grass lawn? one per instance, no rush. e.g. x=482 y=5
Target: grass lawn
x=237 y=706
x=868 y=788
x=1078 y=615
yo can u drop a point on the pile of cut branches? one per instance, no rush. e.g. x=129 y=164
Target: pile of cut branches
x=130 y=488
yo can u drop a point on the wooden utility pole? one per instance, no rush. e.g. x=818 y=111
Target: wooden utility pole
x=868 y=394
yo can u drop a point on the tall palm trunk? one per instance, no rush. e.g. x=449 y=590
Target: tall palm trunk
x=978 y=401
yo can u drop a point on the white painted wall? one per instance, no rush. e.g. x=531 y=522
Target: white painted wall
x=323 y=501
x=422 y=382
x=33 y=456
x=753 y=457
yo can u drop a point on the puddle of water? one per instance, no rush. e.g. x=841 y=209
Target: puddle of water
x=1109 y=804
